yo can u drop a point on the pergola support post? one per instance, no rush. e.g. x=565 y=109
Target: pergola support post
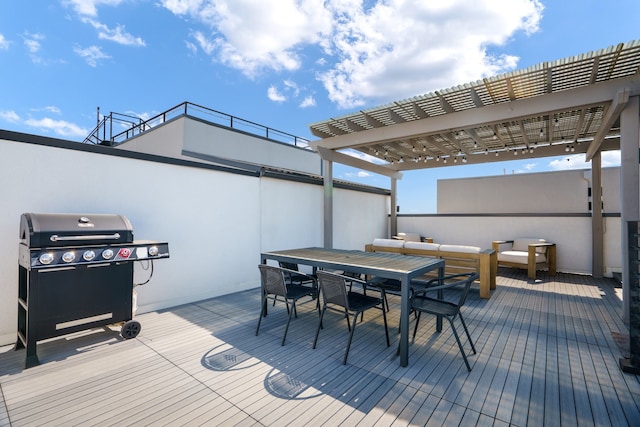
x=393 y=219
x=328 y=204
x=597 y=229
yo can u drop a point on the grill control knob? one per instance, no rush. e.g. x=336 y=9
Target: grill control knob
x=68 y=256
x=107 y=254
x=46 y=258
x=153 y=251
x=88 y=255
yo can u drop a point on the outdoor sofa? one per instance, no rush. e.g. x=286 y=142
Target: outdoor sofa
x=458 y=258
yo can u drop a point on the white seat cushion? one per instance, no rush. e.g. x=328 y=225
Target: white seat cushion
x=409 y=237
x=422 y=245
x=522 y=244
x=388 y=243
x=460 y=248
x=519 y=257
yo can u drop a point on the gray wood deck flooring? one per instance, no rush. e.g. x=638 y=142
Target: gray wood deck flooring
x=547 y=355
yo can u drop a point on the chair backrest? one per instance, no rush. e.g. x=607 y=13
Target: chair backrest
x=456 y=280
x=289 y=265
x=333 y=288
x=272 y=280
x=471 y=277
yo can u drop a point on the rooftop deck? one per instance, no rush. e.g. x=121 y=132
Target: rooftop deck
x=547 y=355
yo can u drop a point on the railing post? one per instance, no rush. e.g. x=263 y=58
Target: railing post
x=632 y=364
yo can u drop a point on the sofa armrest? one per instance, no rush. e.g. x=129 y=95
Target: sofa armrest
x=550 y=253
x=496 y=244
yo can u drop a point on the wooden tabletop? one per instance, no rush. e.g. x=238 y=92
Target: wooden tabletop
x=388 y=265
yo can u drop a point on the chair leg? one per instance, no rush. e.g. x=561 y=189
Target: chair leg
x=286 y=329
x=385 y=301
x=386 y=329
x=415 y=328
x=346 y=353
x=319 y=312
x=263 y=313
x=455 y=333
x=315 y=341
x=464 y=325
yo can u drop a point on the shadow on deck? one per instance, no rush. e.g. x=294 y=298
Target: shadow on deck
x=547 y=355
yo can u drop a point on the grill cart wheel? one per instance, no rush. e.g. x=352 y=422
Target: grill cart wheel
x=130 y=329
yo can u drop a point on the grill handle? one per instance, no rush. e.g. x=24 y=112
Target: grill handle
x=56 y=238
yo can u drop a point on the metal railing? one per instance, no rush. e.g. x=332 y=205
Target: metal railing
x=116 y=128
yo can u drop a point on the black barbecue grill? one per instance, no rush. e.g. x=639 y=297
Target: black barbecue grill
x=76 y=273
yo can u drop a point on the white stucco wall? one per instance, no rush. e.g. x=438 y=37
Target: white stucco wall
x=216 y=222
x=572 y=235
x=184 y=133
x=549 y=194
x=543 y=192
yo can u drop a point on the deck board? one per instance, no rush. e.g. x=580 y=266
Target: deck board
x=546 y=356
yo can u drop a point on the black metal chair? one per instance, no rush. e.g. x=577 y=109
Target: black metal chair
x=335 y=296
x=294 y=275
x=275 y=285
x=393 y=287
x=421 y=303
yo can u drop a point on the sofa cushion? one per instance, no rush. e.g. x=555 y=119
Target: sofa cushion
x=460 y=248
x=522 y=244
x=422 y=245
x=519 y=257
x=409 y=237
x=388 y=243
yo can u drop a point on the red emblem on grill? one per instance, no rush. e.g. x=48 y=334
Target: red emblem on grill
x=124 y=253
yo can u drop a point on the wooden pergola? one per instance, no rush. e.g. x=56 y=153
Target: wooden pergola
x=588 y=103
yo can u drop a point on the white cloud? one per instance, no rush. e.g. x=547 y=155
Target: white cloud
x=118 y=34
x=60 y=127
x=274 y=95
x=308 y=101
x=49 y=108
x=191 y=47
x=256 y=35
x=32 y=42
x=292 y=86
x=4 y=43
x=91 y=54
x=9 y=116
x=205 y=44
x=359 y=174
x=403 y=48
x=577 y=161
x=89 y=7
x=371 y=51
x=611 y=158
x=360 y=155
x=574 y=161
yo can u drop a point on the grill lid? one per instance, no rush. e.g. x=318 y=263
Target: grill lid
x=61 y=229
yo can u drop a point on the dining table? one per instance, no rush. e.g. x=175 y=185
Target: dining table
x=403 y=268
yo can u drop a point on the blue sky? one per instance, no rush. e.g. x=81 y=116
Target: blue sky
x=284 y=63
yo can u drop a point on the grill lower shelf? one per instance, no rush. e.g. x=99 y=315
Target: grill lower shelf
x=58 y=302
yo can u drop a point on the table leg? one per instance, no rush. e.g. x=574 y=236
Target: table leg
x=404 y=322
x=440 y=294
